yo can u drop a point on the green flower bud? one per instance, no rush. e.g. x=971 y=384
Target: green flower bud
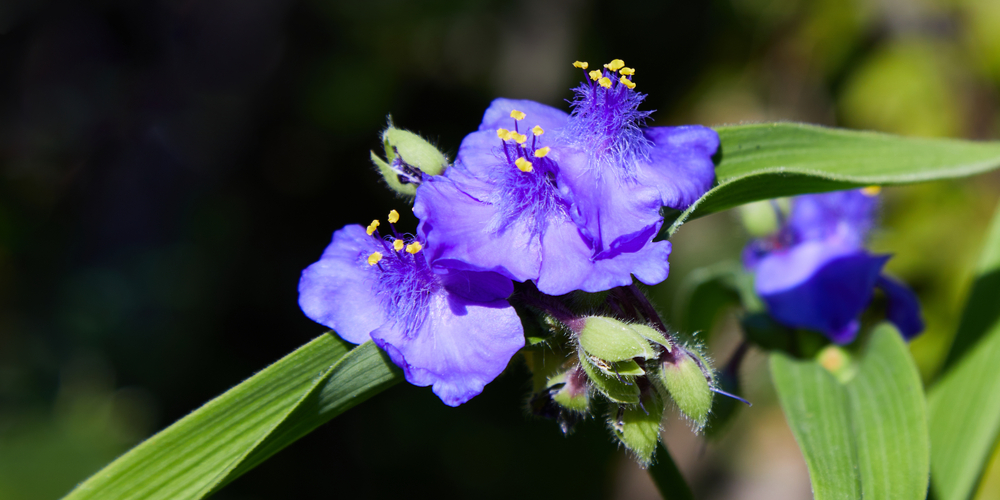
x=611 y=340
x=638 y=426
x=650 y=333
x=617 y=388
x=837 y=361
x=569 y=390
x=408 y=158
x=686 y=379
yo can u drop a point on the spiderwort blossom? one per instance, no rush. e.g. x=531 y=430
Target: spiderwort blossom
x=568 y=201
x=451 y=329
x=617 y=172
x=815 y=272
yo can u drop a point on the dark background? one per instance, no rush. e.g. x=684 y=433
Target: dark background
x=167 y=169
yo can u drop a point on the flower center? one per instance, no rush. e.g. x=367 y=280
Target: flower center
x=525 y=182
x=403 y=282
x=606 y=123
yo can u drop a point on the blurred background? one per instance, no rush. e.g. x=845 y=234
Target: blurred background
x=168 y=167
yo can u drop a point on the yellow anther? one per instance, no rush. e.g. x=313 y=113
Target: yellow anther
x=414 y=247
x=580 y=64
x=615 y=65
x=871 y=190
x=537 y=130
x=520 y=138
x=517 y=115
x=594 y=75
x=397 y=245
x=393 y=217
x=372 y=227
x=627 y=71
x=605 y=82
x=628 y=83
x=503 y=133
x=541 y=152
x=523 y=165
x=374 y=258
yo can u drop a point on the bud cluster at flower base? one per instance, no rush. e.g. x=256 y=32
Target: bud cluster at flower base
x=541 y=224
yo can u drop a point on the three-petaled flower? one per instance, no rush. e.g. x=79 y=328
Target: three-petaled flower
x=569 y=201
x=448 y=328
x=815 y=273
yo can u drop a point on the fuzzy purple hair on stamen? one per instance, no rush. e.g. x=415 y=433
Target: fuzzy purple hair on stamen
x=530 y=196
x=607 y=125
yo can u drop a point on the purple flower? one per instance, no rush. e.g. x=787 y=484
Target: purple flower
x=815 y=273
x=570 y=201
x=452 y=329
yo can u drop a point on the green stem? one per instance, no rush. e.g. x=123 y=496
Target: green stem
x=668 y=478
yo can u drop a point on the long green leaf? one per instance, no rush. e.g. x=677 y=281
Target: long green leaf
x=816 y=410
x=231 y=434
x=866 y=438
x=889 y=417
x=965 y=403
x=770 y=160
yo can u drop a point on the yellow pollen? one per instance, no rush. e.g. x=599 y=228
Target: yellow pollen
x=523 y=165
x=517 y=115
x=372 y=227
x=627 y=71
x=605 y=82
x=374 y=258
x=580 y=64
x=397 y=245
x=541 y=152
x=594 y=75
x=503 y=133
x=537 y=130
x=414 y=247
x=393 y=217
x=628 y=83
x=871 y=190
x=520 y=138
x=615 y=65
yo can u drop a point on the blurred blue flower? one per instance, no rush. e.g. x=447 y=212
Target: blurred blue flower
x=451 y=329
x=570 y=201
x=815 y=273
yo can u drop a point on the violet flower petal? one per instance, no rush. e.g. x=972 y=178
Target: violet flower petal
x=480 y=151
x=567 y=264
x=337 y=292
x=850 y=214
x=610 y=211
x=680 y=163
x=814 y=288
x=536 y=113
x=461 y=347
x=455 y=226
x=903 y=308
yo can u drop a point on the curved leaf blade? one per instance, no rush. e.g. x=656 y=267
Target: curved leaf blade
x=814 y=405
x=867 y=438
x=239 y=429
x=889 y=418
x=771 y=160
x=965 y=403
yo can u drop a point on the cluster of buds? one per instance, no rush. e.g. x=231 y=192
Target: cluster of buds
x=628 y=367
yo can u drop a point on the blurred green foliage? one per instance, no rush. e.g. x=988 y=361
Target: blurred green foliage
x=168 y=168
